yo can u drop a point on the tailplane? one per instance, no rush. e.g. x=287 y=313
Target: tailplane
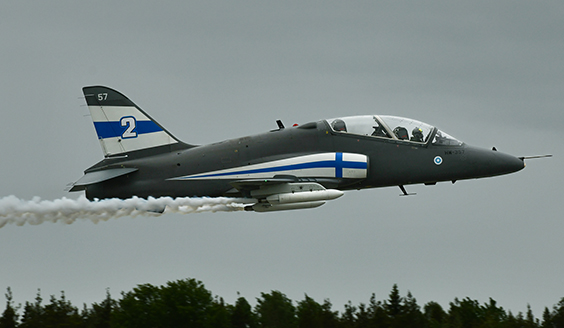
x=122 y=127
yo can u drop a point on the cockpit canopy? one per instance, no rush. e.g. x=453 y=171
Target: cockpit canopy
x=392 y=127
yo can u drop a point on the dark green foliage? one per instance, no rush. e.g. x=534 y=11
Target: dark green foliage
x=348 y=316
x=183 y=303
x=61 y=313
x=393 y=305
x=33 y=316
x=434 y=315
x=187 y=303
x=546 y=318
x=530 y=321
x=275 y=310
x=100 y=314
x=9 y=318
x=378 y=317
x=411 y=315
x=242 y=315
x=520 y=321
x=493 y=316
x=464 y=314
x=58 y=313
x=557 y=316
x=314 y=315
x=220 y=314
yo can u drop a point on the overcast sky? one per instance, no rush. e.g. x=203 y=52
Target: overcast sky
x=488 y=73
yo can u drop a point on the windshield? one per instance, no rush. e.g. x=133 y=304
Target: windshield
x=391 y=127
x=442 y=138
x=407 y=129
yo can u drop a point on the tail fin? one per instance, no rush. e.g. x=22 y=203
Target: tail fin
x=122 y=127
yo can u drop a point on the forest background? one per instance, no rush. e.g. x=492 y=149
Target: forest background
x=187 y=303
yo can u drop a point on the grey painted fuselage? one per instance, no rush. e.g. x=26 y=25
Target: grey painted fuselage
x=391 y=162
x=288 y=168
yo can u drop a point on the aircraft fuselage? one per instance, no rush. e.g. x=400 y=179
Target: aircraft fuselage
x=390 y=162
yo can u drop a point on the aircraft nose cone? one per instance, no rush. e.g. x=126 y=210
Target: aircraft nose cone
x=515 y=163
x=493 y=163
x=508 y=163
x=511 y=163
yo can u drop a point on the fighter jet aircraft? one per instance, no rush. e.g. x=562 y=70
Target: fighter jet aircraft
x=287 y=168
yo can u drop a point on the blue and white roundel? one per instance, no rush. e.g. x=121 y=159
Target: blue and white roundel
x=438 y=160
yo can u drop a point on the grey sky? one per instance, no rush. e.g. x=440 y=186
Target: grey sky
x=486 y=73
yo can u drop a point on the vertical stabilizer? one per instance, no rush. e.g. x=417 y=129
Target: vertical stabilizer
x=121 y=126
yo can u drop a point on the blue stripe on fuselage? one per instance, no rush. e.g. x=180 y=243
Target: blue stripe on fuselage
x=114 y=129
x=338 y=164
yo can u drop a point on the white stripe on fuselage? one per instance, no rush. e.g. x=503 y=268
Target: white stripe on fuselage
x=331 y=165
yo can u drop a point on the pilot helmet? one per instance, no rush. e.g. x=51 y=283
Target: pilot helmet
x=401 y=133
x=417 y=132
x=339 y=125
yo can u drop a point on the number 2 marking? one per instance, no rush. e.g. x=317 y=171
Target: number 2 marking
x=131 y=124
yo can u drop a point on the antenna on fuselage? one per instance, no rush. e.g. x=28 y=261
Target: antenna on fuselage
x=280 y=124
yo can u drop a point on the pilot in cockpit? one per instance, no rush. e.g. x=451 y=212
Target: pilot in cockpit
x=417 y=135
x=339 y=125
x=401 y=133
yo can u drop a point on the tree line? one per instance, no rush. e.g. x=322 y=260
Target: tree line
x=187 y=303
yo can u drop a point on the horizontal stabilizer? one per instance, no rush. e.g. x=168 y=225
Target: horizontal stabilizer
x=99 y=176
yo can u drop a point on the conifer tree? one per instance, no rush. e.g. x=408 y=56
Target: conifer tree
x=434 y=314
x=9 y=318
x=330 y=318
x=33 y=313
x=100 y=314
x=242 y=315
x=546 y=318
x=465 y=313
x=309 y=313
x=557 y=319
x=393 y=305
x=348 y=317
x=275 y=310
x=530 y=321
x=61 y=313
x=491 y=314
x=220 y=313
x=312 y=314
x=377 y=314
x=411 y=316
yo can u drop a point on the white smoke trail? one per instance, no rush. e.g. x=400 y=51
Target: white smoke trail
x=37 y=211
